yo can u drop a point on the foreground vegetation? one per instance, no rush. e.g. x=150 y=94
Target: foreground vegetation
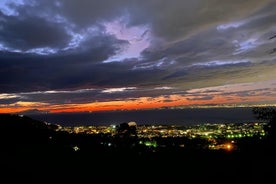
x=34 y=151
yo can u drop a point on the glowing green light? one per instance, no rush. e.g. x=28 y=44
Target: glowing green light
x=149 y=143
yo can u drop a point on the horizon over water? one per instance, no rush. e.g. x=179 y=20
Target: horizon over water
x=189 y=116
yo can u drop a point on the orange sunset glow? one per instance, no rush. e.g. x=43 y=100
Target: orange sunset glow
x=135 y=104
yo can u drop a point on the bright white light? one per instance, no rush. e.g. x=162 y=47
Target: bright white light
x=76 y=148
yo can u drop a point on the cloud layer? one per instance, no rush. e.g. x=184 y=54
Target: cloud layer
x=101 y=51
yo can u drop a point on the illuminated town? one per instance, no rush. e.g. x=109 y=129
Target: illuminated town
x=218 y=136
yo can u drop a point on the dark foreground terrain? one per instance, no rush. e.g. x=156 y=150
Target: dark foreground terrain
x=33 y=152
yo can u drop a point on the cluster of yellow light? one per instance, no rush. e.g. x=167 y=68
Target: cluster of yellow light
x=225 y=146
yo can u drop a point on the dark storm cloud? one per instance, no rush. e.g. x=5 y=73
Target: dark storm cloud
x=173 y=19
x=87 y=12
x=169 y=19
x=31 y=32
x=69 y=69
x=62 y=45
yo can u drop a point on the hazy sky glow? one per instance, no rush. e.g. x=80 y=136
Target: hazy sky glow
x=86 y=55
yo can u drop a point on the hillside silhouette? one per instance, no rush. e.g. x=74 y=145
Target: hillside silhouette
x=34 y=152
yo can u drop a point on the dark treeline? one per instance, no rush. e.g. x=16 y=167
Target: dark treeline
x=34 y=152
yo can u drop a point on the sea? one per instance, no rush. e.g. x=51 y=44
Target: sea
x=187 y=116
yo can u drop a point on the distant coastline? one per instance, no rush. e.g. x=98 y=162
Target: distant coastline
x=186 y=116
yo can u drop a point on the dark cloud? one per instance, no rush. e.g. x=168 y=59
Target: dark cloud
x=255 y=92
x=8 y=101
x=63 y=45
x=87 y=12
x=31 y=32
x=55 y=97
x=175 y=19
x=70 y=69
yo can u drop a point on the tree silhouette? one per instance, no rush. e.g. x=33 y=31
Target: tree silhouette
x=264 y=113
x=267 y=114
x=126 y=130
x=126 y=137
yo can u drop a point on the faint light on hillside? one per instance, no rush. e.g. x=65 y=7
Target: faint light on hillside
x=76 y=148
x=225 y=146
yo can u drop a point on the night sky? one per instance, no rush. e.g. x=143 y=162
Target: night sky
x=87 y=55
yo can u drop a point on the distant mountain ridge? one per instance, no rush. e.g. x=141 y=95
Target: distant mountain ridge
x=33 y=111
x=24 y=122
x=17 y=129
